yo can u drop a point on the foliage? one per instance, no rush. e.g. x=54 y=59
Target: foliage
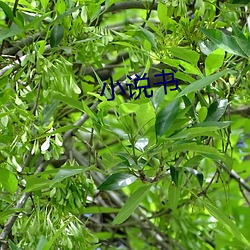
x=167 y=172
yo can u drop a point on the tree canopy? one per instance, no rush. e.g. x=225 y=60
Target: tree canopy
x=124 y=124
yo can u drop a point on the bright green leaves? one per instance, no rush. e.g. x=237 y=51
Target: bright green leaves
x=186 y=55
x=144 y=34
x=228 y=224
x=56 y=35
x=202 y=114
x=158 y=97
x=69 y=101
x=197 y=85
x=162 y=12
x=214 y=61
x=33 y=183
x=67 y=172
x=44 y=3
x=117 y=181
x=8 y=180
x=223 y=41
x=173 y=196
x=132 y=203
x=237 y=45
x=128 y=108
x=7 y=10
x=166 y=117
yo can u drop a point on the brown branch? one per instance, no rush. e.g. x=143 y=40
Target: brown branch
x=16 y=63
x=21 y=44
x=235 y=176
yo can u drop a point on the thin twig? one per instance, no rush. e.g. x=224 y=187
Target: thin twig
x=148 y=14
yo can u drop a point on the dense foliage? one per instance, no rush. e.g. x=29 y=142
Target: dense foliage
x=85 y=165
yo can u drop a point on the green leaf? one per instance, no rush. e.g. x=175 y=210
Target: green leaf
x=98 y=210
x=202 y=114
x=49 y=110
x=44 y=3
x=106 y=92
x=147 y=35
x=191 y=69
x=198 y=175
x=238 y=33
x=162 y=12
x=132 y=203
x=166 y=117
x=214 y=61
x=216 y=110
x=244 y=45
x=158 y=97
x=7 y=10
x=117 y=181
x=186 y=54
x=173 y=196
x=70 y=101
x=9 y=32
x=49 y=244
x=193 y=132
x=66 y=172
x=33 y=183
x=197 y=85
x=189 y=105
x=41 y=243
x=227 y=223
x=8 y=180
x=219 y=125
x=128 y=108
x=56 y=35
x=68 y=12
x=194 y=161
x=223 y=41
x=13 y=246
x=174 y=172
x=9 y=211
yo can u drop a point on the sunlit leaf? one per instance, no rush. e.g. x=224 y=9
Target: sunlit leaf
x=131 y=204
x=173 y=196
x=223 y=41
x=214 y=61
x=8 y=180
x=229 y=224
x=7 y=10
x=67 y=172
x=117 y=181
x=198 y=85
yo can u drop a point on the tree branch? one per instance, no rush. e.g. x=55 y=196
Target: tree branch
x=20 y=203
x=235 y=176
x=21 y=44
